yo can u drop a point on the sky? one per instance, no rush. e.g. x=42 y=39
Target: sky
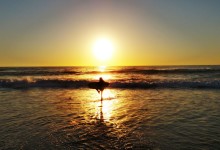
x=142 y=32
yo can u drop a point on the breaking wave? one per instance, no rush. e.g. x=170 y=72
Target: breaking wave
x=58 y=83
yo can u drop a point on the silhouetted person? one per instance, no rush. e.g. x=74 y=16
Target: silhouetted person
x=99 y=86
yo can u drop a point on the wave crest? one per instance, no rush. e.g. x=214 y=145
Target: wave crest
x=58 y=83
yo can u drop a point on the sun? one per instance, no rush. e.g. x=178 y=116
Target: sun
x=103 y=49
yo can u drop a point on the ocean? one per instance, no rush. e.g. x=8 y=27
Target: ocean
x=146 y=107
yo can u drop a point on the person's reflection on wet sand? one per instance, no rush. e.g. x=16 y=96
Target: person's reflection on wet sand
x=101 y=113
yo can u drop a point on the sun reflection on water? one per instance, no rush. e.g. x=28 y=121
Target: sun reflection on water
x=101 y=68
x=104 y=110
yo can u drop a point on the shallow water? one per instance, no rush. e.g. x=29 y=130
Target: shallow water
x=55 y=118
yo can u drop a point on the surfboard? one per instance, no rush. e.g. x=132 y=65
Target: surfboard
x=98 y=85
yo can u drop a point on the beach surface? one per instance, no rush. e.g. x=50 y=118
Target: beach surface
x=143 y=108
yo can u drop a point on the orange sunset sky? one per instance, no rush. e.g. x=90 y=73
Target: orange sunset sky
x=135 y=32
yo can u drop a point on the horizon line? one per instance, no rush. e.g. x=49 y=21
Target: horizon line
x=108 y=66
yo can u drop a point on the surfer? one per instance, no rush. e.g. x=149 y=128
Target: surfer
x=99 y=86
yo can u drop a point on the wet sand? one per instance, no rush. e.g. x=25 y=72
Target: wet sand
x=125 y=119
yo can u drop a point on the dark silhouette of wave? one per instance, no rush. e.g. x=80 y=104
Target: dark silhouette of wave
x=37 y=73
x=169 y=71
x=58 y=83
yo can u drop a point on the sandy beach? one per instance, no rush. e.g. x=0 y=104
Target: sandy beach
x=137 y=119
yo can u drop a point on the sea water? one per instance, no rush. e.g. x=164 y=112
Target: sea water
x=162 y=107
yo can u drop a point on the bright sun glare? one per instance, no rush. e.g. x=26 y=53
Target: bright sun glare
x=103 y=49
